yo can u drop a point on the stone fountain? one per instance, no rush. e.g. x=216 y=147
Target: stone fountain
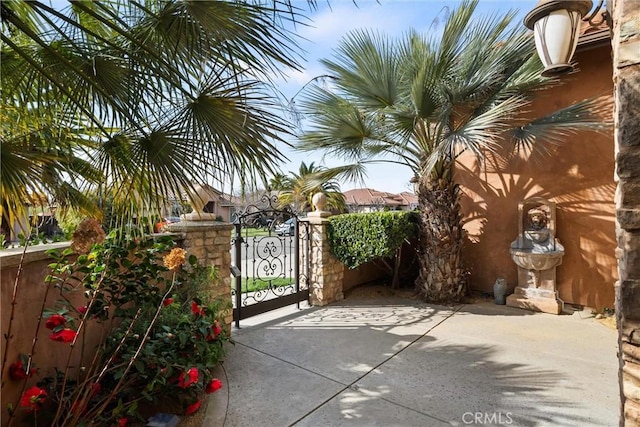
x=537 y=252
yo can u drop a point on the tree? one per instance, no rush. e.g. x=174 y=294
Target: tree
x=303 y=185
x=421 y=102
x=279 y=182
x=137 y=100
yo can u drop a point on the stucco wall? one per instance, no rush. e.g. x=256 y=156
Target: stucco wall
x=578 y=176
x=365 y=273
x=30 y=295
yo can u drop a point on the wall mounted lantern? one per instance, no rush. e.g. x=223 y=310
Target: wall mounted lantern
x=556 y=26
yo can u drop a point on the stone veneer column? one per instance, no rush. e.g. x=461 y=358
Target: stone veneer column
x=626 y=79
x=210 y=242
x=326 y=273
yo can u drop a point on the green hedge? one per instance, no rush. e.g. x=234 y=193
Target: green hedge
x=356 y=239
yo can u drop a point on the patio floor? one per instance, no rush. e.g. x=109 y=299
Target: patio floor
x=399 y=362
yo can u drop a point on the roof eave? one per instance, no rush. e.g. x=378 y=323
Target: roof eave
x=594 y=39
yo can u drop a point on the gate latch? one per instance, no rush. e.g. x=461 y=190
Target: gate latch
x=235 y=271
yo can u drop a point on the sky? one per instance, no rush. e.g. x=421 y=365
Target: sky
x=393 y=17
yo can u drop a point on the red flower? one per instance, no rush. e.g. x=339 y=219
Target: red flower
x=66 y=335
x=216 y=329
x=17 y=371
x=54 y=321
x=192 y=408
x=33 y=398
x=196 y=309
x=167 y=301
x=122 y=422
x=82 y=310
x=191 y=378
x=214 y=386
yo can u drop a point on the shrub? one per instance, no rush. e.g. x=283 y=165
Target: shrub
x=162 y=335
x=356 y=239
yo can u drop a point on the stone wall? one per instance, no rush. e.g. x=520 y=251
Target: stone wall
x=326 y=272
x=626 y=77
x=210 y=242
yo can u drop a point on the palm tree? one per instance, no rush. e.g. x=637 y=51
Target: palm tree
x=304 y=184
x=421 y=102
x=279 y=182
x=135 y=100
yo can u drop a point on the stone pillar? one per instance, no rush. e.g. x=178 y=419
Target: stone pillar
x=326 y=272
x=210 y=242
x=626 y=79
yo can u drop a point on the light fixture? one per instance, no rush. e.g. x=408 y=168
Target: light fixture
x=556 y=26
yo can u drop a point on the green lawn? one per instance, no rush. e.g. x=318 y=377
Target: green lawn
x=252 y=285
x=252 y=232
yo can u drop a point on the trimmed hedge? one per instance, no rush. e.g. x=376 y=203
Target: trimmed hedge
x=356 y=239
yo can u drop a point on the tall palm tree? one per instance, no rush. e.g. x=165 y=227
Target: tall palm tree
x=421 y=101
x=135 y=100
x=307 y=182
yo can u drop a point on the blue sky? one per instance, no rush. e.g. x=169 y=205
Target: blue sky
x=393 y=17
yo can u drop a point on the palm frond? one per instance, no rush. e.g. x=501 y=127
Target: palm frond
x=365 y=68
x=538 y=135
x=167 y=92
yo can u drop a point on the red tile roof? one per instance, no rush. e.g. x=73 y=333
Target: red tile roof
x=371 y=197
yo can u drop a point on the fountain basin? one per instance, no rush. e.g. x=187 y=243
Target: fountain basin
x=528 y=260
x=537 y=236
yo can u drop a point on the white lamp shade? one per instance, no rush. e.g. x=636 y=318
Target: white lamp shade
x=556 y=36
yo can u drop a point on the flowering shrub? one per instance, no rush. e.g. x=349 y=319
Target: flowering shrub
x=161 y=332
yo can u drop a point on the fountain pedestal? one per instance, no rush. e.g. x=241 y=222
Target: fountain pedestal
x=537 y=253
x=536 y=288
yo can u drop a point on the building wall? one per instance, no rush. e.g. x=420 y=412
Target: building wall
x=29 y=300
x=578 y=176
x=366 y=273
x=626 y=62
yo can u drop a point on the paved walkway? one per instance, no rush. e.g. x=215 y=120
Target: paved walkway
x=396 y=362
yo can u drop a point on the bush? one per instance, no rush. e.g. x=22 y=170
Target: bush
x=356 y=239
x=161 y=333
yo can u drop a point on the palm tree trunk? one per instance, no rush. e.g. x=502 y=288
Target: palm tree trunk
x=442 y=277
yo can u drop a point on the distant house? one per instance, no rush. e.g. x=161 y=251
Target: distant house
x=253 y=202
x=219 y=204
x=370 y=200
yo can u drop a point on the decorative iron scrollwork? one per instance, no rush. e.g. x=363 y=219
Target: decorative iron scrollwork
x=273 y=260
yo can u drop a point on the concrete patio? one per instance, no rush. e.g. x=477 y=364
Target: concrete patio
x=399 y=362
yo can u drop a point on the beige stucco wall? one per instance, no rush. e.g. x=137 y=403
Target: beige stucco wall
x=29 y=297
x=365 y=273
x=578 y=176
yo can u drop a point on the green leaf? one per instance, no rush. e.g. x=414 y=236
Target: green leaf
x=356 y=239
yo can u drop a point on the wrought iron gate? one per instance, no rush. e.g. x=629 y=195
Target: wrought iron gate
x=270 y=259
